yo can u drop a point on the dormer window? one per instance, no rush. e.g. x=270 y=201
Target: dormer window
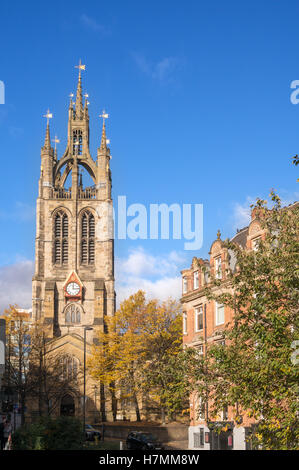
x=218 y=271
x=255 y=243
x=195 y=280
x=185 y=285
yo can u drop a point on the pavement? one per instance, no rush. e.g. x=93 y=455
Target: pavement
x=171 y=445
x=176 y=445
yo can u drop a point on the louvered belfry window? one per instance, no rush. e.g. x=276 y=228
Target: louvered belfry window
x=61 y=238
x=87 y=238
x=77 y=142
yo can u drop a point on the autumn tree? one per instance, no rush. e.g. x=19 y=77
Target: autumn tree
x=16 y=376
x=162 y=342
x=137 y=342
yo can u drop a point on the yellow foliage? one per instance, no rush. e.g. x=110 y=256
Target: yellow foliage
x=141 y=333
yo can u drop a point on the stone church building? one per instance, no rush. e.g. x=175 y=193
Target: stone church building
x=73 y=283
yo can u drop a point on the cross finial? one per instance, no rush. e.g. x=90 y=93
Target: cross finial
x=86 y=95
x=56 y=141
x=48 y=116
x=80 y=67
x=104 y=115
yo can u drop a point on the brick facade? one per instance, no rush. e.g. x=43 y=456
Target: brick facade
x=204 y=322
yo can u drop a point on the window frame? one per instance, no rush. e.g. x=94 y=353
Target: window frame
x=218 y=267
x=185 y=323
x=217 y=306
x=87 y=238
x=185 y=285
x=60 y=238
x=200 y=439
x=198 y=311
x=196 y=278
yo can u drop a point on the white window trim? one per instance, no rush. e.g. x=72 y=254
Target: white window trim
x=185 y=327
x=216 y=314
x=197 y=311
x=196 y=280
x=185 y=285
x=218 y=269
x=254 y=243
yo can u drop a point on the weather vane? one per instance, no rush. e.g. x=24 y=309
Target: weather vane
x=48 y=116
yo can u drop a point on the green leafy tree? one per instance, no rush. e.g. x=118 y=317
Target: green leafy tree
x=255 y=372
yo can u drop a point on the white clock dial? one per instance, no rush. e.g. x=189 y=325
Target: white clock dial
x=73 y=288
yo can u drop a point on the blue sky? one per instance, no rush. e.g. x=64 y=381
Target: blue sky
x=198 y=95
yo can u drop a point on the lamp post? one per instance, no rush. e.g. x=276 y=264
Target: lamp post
x=86 y=328
x=95 y=403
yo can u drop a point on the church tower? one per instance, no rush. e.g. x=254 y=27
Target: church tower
x=73 y=283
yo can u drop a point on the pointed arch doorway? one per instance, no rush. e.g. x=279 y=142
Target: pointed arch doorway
x=67 y=406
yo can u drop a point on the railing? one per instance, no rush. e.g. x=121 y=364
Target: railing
x=88 y=193
x=62 y=193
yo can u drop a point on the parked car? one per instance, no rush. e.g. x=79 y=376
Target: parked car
x=143 y=441
x=91 y=433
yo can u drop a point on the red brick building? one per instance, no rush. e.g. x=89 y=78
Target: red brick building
x=204 y=322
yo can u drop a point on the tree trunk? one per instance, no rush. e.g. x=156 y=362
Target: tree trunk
x=102 y=398
x=114 y=403
x=163 y=415
x=136 y=406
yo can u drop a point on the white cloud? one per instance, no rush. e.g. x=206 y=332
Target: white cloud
x=22 y=212
x=159 y=276
x=15 y=284
x=241 y=213
x=161 y=289
x=141 y=263
x=93 y=25
x=160 y=71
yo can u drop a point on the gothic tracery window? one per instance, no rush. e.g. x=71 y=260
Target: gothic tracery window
x=61 y=238
x=70 y=367
x=73 y=314
x=87 y=238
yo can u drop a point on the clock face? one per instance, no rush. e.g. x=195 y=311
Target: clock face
x=73 y=288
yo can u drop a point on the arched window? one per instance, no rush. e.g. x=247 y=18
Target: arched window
x=61 y=238
x=70 y=367
x=77 y=142
x=73 y=314
x=87 y=238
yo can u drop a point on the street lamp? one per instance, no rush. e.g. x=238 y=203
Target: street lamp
x=86 y=328
x=95 y=403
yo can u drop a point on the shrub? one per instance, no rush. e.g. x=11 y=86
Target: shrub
x=63 y=433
